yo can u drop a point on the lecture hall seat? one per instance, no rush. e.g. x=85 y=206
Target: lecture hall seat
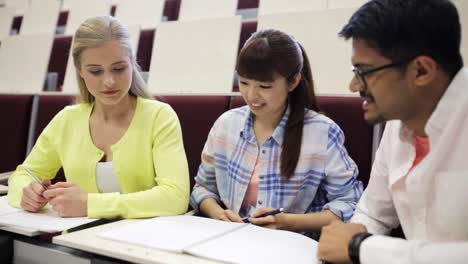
x=244 y=4
x=15 y=114
x=145 y=49
x=59 y=57
x=62 y=45
x=248 y=28
x=197 y=115
x=49 y=106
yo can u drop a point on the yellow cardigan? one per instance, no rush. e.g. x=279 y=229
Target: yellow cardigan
x=149 y=162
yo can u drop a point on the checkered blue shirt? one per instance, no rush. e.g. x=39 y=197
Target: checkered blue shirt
x=325 y=176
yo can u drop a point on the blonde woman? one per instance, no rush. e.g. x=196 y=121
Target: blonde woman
x=121 y=151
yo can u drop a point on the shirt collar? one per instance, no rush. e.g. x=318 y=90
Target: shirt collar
x=248 y=134
x=445 y=108
x=448 y=104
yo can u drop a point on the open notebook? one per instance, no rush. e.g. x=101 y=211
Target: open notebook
x=44 y=221
x=218 y=240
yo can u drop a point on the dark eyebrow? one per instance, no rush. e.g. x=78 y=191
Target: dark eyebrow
x=362 y=65
x=119 y=62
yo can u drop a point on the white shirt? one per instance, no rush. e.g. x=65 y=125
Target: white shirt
x=106 y=179
x=430 y=202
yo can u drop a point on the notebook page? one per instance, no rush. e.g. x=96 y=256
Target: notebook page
x=171 y=233
x=255 y=245
x=46 y=220
x=5 y=208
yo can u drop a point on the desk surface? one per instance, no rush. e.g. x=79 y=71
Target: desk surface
x=87 y=240
x=4 y=176
x=21 y=230
x=30 y=232
x=3 y=189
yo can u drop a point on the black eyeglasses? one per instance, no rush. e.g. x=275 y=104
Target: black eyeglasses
x=361 y=75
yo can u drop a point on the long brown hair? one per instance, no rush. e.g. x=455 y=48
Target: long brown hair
x=269 y=53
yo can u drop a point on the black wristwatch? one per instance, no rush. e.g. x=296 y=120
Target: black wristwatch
x=354 y=245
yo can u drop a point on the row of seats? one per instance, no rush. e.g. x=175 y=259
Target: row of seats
x=171 y=12
x=62 y=45
x=201 y=58
x=28 y=114
x=328 y=54
x=57 y=60
x=198 y=56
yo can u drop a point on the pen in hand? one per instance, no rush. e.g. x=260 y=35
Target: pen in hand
x=34 y=177
x=273 y=212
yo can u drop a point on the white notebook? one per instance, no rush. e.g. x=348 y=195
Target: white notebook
x=46 y=220
x=217 y=240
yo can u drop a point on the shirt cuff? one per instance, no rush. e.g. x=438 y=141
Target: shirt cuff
x=372 y=226
x=342 y=209
x=381 y=249
x=103 y=205
x=197 y=198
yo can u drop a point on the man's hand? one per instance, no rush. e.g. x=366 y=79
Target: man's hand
x=334 y=240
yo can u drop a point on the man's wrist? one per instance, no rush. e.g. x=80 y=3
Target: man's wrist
x=354 y=246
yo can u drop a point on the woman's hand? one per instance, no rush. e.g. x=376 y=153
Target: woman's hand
x=277 y=221
x=210 y=207
x=229 y=216
x=32 y=199
x=67 y=199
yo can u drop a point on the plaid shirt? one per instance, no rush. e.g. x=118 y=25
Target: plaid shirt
x=325 y=176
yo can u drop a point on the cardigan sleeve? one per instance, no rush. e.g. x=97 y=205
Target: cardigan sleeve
x=43 y=161
x=170 y=195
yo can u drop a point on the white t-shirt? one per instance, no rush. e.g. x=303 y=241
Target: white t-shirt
x=106 y=179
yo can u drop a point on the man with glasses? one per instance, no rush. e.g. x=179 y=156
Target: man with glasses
x=408 y=68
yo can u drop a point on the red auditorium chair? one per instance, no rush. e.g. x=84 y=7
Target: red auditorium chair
x=15 y=113
x=243 y=4
x=197 y=115
x=248 y=28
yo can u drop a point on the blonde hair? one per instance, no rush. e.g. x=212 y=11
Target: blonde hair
x=93 y=33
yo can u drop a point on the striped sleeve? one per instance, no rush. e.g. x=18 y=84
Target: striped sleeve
x=341 y=184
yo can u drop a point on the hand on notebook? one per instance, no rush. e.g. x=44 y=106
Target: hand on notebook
x=67 y=199
x=229 y=216
x=211 y=208
x=277 y=221
x=32 y=199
